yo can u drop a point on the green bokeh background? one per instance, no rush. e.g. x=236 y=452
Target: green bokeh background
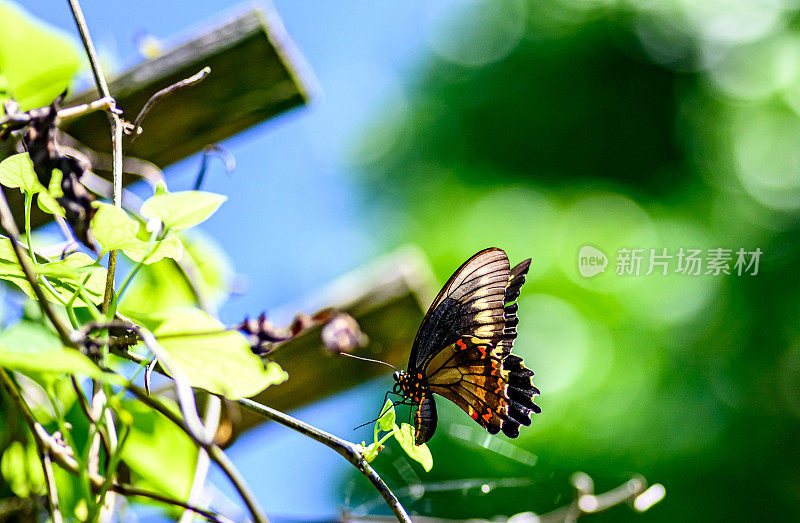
x=540 y=127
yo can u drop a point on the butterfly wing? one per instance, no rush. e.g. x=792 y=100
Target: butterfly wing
x=463 y=346
x=471 y=303
x=496 y=390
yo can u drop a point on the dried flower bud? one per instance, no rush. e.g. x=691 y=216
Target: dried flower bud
x=342 y=334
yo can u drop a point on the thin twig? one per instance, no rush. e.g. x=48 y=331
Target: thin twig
x=84 y=403
x=52 y=491
x=127 y=490
x=20 y=119
x=116 y=135
x=350 y=451
x=587 y=502
x=211 y=421
x=195 y=78
x=220 y=152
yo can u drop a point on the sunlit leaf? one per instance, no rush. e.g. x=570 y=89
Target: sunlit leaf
x=112 y=227
x=16 y=172
x=387 y=419
x=421 y=453
x=38 y=62
x=138 y=250
x=181 y=210
x=159 y=452
x=22 y=470
x=221 y=363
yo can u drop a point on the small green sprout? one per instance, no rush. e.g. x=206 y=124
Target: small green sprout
x=404 y=434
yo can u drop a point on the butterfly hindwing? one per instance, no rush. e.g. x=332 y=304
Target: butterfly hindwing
x=485 y=384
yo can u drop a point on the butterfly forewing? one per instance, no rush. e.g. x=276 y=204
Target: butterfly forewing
x=470 y=304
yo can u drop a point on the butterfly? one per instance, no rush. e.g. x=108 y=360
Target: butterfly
x=462 y=350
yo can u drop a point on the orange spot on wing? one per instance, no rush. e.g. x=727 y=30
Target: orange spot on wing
x=473 y=413
x=487 y=416
x=461 y=345
x=499 y=388
x=419 y=376
x=483 y=351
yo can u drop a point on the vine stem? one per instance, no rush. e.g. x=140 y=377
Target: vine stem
x=350 y=451
x=116 y=134
x=99 y=399
x=10 y=226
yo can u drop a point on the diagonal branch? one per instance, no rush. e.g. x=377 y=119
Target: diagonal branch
x=350 y=451
x=195 y=78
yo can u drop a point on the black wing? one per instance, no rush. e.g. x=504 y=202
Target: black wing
x=472 y=304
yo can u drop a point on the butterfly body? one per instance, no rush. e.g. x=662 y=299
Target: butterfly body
x=462 y=350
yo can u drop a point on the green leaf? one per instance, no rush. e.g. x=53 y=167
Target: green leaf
x=219 y=363
x=30 y=348
x=17 y=172
x=182 y=210
x=37 y=61
x=421 y=453
x=387 y=419
x=65 y=275
x=138 y=250
x=159 y=452
x=22 y=470
x=112 y=227
x=47 y=199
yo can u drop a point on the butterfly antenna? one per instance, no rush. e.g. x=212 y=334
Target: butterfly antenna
x=367 y=359
x=383 y=410
x=367 y=423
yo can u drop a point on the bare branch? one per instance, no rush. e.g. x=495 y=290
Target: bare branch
x=211 y=421
x=116 y=134
x=17 y=120
x=52 y=491
x=350 y=451
x=127 y=490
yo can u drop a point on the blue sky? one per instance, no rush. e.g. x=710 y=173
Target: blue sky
x=292 y=221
